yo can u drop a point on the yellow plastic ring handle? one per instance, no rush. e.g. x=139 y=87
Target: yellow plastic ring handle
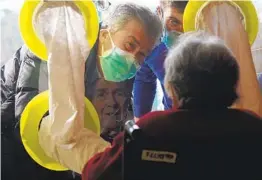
x=29 y=126
x=32 y=41
x=247 y=8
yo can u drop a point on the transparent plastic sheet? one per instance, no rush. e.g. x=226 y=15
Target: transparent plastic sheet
x=158 y=100
x=225 y=20
x=62 y=134
x=257 y=46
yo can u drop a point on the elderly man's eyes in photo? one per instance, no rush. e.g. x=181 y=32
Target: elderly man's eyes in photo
x=120 y=92
x=102 y=94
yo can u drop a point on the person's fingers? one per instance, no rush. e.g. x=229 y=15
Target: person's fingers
x=136 y=119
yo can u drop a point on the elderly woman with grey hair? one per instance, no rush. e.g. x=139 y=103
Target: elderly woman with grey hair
x=201 y=72
x=209 y=140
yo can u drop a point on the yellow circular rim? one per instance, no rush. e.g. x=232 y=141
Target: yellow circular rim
x=247 y=7
x=30 y=38
x=29 y=126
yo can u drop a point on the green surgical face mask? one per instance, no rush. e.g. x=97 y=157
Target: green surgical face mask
x=118 y=65
x=170 y=37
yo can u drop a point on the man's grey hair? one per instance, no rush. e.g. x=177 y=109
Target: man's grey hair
x=121 y=14
x=200 y=65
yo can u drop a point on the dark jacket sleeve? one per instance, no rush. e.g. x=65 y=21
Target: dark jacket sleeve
x=9 y=76
x=19 y=84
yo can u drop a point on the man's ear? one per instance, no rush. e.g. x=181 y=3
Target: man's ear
x=174 y=97
x=103 y=35
x=172 y=94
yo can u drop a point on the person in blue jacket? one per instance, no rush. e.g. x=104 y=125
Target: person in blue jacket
x=145 y=84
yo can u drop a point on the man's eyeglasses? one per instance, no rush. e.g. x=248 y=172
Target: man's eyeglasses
x=102 y=5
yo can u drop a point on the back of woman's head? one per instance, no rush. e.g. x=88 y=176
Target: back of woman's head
x=201 y=68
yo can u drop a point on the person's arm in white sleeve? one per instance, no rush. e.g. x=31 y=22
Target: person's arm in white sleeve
x=77 y=153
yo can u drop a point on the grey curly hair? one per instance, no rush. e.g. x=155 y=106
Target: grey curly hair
x=121 y=14
x=202 y=67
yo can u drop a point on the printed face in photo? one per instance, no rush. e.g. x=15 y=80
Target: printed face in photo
x=110 y=100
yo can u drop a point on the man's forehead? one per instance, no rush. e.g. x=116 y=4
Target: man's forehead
x=103 y=84
x=173 y=12
x=136 y=32
x=134 y=28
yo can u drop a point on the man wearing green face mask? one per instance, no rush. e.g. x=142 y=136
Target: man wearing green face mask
x=126 y=37
x=171 y=13
x=118 y=65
